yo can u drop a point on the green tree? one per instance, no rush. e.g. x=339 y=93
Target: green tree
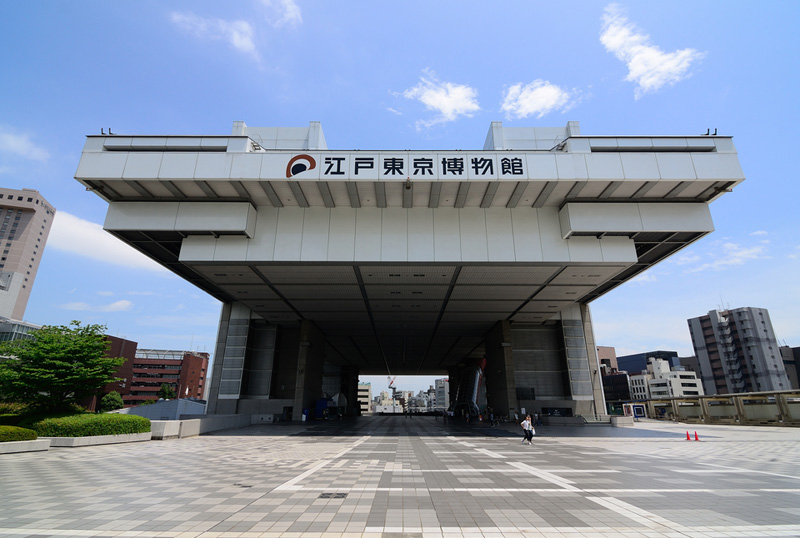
x=111 y=401
x=166 y=392
x=59 y=367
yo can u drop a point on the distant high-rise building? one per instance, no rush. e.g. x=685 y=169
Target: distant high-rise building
x=608 y=358
x=365 y=397
x=25 y=220
x=616 y=387
x=11 y=329
x=636 y=363
x=661 y=380
x=442 y=388
x=671 y=381
x=737 y=351
x=791 y=362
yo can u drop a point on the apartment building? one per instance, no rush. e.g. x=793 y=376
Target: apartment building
x=25 y=221
x=737 y=351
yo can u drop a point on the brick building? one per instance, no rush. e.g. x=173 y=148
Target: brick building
x=183 y=371
x=145 y=370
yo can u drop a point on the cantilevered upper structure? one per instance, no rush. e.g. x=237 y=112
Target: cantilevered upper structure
x=333 y=263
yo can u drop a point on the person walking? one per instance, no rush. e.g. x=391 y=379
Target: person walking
x=527 y=428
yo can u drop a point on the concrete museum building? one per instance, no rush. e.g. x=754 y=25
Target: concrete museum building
x=475 y=264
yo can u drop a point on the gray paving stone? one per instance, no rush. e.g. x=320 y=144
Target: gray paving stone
x=391 y=477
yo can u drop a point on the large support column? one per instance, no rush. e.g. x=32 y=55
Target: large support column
x=350 y=390
x=581 y=358
x=594 y=362
x=226 y=381
x=501 y=388
x=310 y=358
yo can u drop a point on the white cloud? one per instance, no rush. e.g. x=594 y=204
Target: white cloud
x=283 y=12
x=644 y=277
x=649 y=67
x=117 y=306
x=238 y=34
x=448 y=99
x=685 y=259
x=20 y=145
x=538 y=98
x=759 y=232
x=730 y=255
x=72 y=234
x=393 y=111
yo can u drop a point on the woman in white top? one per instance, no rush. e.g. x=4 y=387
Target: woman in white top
x=527 y=428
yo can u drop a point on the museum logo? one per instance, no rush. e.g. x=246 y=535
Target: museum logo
x=299 y=164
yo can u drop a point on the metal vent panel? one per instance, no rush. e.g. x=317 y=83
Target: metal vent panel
x=507 y=274
x=507 y=293
x=405 y=306
x=331 y=305
x=248 y=291
x=571 y=293
x=594 y=275
x=545 y=306
x=229 y=274
x=419 y=292
x=482 y=306
x=425 y=274
x=318 y=292
x=293 y=274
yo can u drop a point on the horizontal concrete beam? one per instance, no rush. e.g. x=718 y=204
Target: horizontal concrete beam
x=188 y=218
x=598 y=218
x=408 y=235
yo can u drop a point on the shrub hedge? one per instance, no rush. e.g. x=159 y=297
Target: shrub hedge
x=10 y=420
x=89 y=424
x=13 y=433
x=11 y=408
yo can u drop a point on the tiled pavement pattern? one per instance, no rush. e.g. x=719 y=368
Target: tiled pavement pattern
x=393 y=477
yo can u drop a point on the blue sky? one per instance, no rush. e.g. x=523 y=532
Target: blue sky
x=410 y=75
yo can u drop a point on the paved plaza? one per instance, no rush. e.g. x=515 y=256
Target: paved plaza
x=392 y=477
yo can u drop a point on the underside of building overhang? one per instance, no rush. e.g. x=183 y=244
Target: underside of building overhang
x=408 y=273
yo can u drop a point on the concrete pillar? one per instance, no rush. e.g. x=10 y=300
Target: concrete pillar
x=784 y=412
x=501 y=388
x=229 y=359
x=704 y=412
x=350 y=389
x=651 y=409
x=310 y=358
x=741 y=414
x=676 y=409
x=594 y=361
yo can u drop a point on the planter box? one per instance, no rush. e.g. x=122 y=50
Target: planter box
x=165 y=429
x=15 y=447
x=97 y=440
x=621 y=421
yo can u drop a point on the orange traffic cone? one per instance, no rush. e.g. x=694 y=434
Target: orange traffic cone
x=696 y=438
x=688 y=438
